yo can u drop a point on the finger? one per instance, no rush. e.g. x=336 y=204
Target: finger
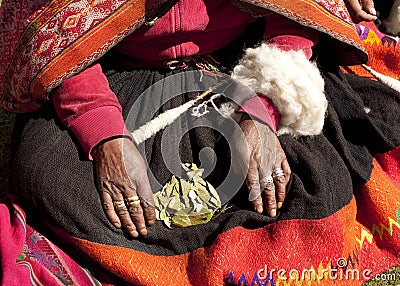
x=282 y=183
x=286 y=169
x=135 y=222
x=147 y=202
x=253 y=185
x=280 y=186
x=357 y=13
x=121 y=210
x=268 y=189
x=126 y=221
x=136 y=216
x=108 y=206
x=369 y=7
x=362 y=16
x=141 y=185
x=270 y=198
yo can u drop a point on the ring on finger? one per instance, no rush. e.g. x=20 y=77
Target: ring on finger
x=278 y=172
x=266 y=181
x=119 y=204
x=133 y=203
x=132 y=199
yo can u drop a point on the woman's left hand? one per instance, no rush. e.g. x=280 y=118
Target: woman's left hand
x=259 y=156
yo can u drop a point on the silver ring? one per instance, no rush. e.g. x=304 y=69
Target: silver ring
x=120 y=205
x=266 y=181
x=278 y=172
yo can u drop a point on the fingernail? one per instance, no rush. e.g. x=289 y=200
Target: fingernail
x=273 y=213
x=279 y=205
x=259 y=209
x=372 y=11
x=151 y=222
x=143 y=231
x=134 y=233
x=117 y=224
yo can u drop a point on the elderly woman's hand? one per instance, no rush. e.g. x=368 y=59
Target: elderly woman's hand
x=361 y=10
x=258 y=156
x=124 y=186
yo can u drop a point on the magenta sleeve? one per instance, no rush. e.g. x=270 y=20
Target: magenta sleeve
x=88 y=108
x=289 y=35
x=262 y=108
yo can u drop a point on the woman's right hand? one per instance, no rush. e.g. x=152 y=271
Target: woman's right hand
x=361 y=10
x=122 y=180
x=257 y=154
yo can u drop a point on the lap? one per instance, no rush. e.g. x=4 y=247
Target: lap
x=54 y=179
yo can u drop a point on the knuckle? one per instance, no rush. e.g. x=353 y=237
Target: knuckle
x=360 y=15
x=121 y=211
x=280 y=180
x=151 y=216
x=130 y=227
x=150 y=212
x=257 y=201
x=107 y=206
x=269 y=192
x=133 y=210
x=281 y=192
x=147 y=203
x=270 y=186
x=136 y=214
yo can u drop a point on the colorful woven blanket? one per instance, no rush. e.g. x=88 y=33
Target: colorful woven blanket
x=44 y=42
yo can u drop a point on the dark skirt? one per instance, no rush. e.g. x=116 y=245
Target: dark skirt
x=55 y=181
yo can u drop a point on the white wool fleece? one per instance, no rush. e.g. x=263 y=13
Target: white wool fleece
x=291 y=81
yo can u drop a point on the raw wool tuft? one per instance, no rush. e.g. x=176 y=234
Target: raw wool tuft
x=291 y=81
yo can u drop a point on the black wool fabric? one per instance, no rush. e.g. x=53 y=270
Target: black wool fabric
x=56 y=183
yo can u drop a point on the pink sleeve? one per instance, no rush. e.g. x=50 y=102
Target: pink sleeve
x=262 y=108
x=286 y=35
x=289 y=35
x=89 y=109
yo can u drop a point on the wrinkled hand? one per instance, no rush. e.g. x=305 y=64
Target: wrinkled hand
x=361 y=10
x=256 y=151
x=121 y=174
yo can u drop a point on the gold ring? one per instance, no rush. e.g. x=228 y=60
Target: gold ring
x=133 y=203
x=119 y=204
x=133 y=199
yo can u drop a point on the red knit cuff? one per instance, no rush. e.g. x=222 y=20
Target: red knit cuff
x=97 y=125
x=262 y=108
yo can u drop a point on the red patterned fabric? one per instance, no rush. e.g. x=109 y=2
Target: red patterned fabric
x=29 y=258
x=42 y=45
x=363 y=239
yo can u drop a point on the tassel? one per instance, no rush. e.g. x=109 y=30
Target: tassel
x=391 y=82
